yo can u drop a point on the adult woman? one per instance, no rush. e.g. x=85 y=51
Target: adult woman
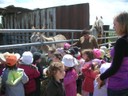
x=118 y=71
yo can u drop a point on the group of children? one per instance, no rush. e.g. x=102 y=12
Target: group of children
x=70 y=71
x=19 y=74
x=81 y=69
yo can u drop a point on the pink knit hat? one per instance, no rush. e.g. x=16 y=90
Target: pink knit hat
x=66 y=46
x=97 y=53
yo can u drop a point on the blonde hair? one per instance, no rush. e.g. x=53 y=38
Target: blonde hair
x=122 y=19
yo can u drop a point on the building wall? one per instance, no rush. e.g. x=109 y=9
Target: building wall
x=61 y=17
x=73 y=17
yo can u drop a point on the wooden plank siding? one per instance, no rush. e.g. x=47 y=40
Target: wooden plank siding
x=73 y=17
x=61 y=17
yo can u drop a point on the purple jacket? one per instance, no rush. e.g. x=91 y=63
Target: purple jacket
x=119 y=80
x=70 y=83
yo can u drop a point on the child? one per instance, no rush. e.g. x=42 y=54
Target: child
x=13 y=78
x=37 y=58
x=66 y=46
x=50 y=53
x=56 y=57
x=31 y=71
x=97 y=53
x=89 y=71
x=101 y=90
x=56 y=73
x=75 y=52
x=71 y=75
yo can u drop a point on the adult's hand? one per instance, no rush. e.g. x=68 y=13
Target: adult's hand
x=100 y=82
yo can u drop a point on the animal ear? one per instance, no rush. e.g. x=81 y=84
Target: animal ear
x=33 y=27
x=43 y=27
x=38 y=33
x=33 y=32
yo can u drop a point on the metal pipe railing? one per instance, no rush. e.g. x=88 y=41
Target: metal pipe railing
x=43 y=43
x=108 y=37
x=36 y=30
x=33 y=44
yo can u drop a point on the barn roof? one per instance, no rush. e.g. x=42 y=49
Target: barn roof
x=11 y=9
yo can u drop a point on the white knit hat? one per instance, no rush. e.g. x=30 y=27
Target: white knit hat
x=69 y=61
x=27 y=57
x=104 y=48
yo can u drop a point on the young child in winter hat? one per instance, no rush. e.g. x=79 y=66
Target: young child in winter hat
x=27 y=57
x=31 y=71
x=97 y=53
x=66 y=46
x=13 y=78
x=71 y=75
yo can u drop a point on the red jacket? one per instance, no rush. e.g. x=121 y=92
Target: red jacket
x=90 y=76
x=32 y=73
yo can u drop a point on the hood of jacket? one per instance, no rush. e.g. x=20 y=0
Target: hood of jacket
x=14 y=76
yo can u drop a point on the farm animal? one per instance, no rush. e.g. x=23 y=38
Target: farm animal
x=97 y=29
x=40 y=37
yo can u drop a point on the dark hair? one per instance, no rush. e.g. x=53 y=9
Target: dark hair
x=36 y=56
x=85 y=31
x=69 y=69
x=58 y=55
x=89 y=53
x=14 y=67
x=74 y=50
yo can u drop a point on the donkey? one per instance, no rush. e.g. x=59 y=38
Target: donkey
x=40 y=37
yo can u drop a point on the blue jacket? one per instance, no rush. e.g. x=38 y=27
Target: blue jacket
x=14 y=81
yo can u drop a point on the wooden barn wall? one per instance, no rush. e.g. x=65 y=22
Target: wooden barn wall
x=37 y=18
x=72 y=17
x=62 y=17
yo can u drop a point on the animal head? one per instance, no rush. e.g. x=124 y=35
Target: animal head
x=38 y=37
x=98 y=24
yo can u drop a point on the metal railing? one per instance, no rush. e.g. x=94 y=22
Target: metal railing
x=43 y=43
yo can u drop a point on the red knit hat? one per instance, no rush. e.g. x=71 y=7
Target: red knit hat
x=11 y=59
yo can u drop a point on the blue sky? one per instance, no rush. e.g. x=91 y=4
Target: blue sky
x=105 y=8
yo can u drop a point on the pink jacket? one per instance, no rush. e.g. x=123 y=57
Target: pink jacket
x=70 y=83
x=90 y=76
